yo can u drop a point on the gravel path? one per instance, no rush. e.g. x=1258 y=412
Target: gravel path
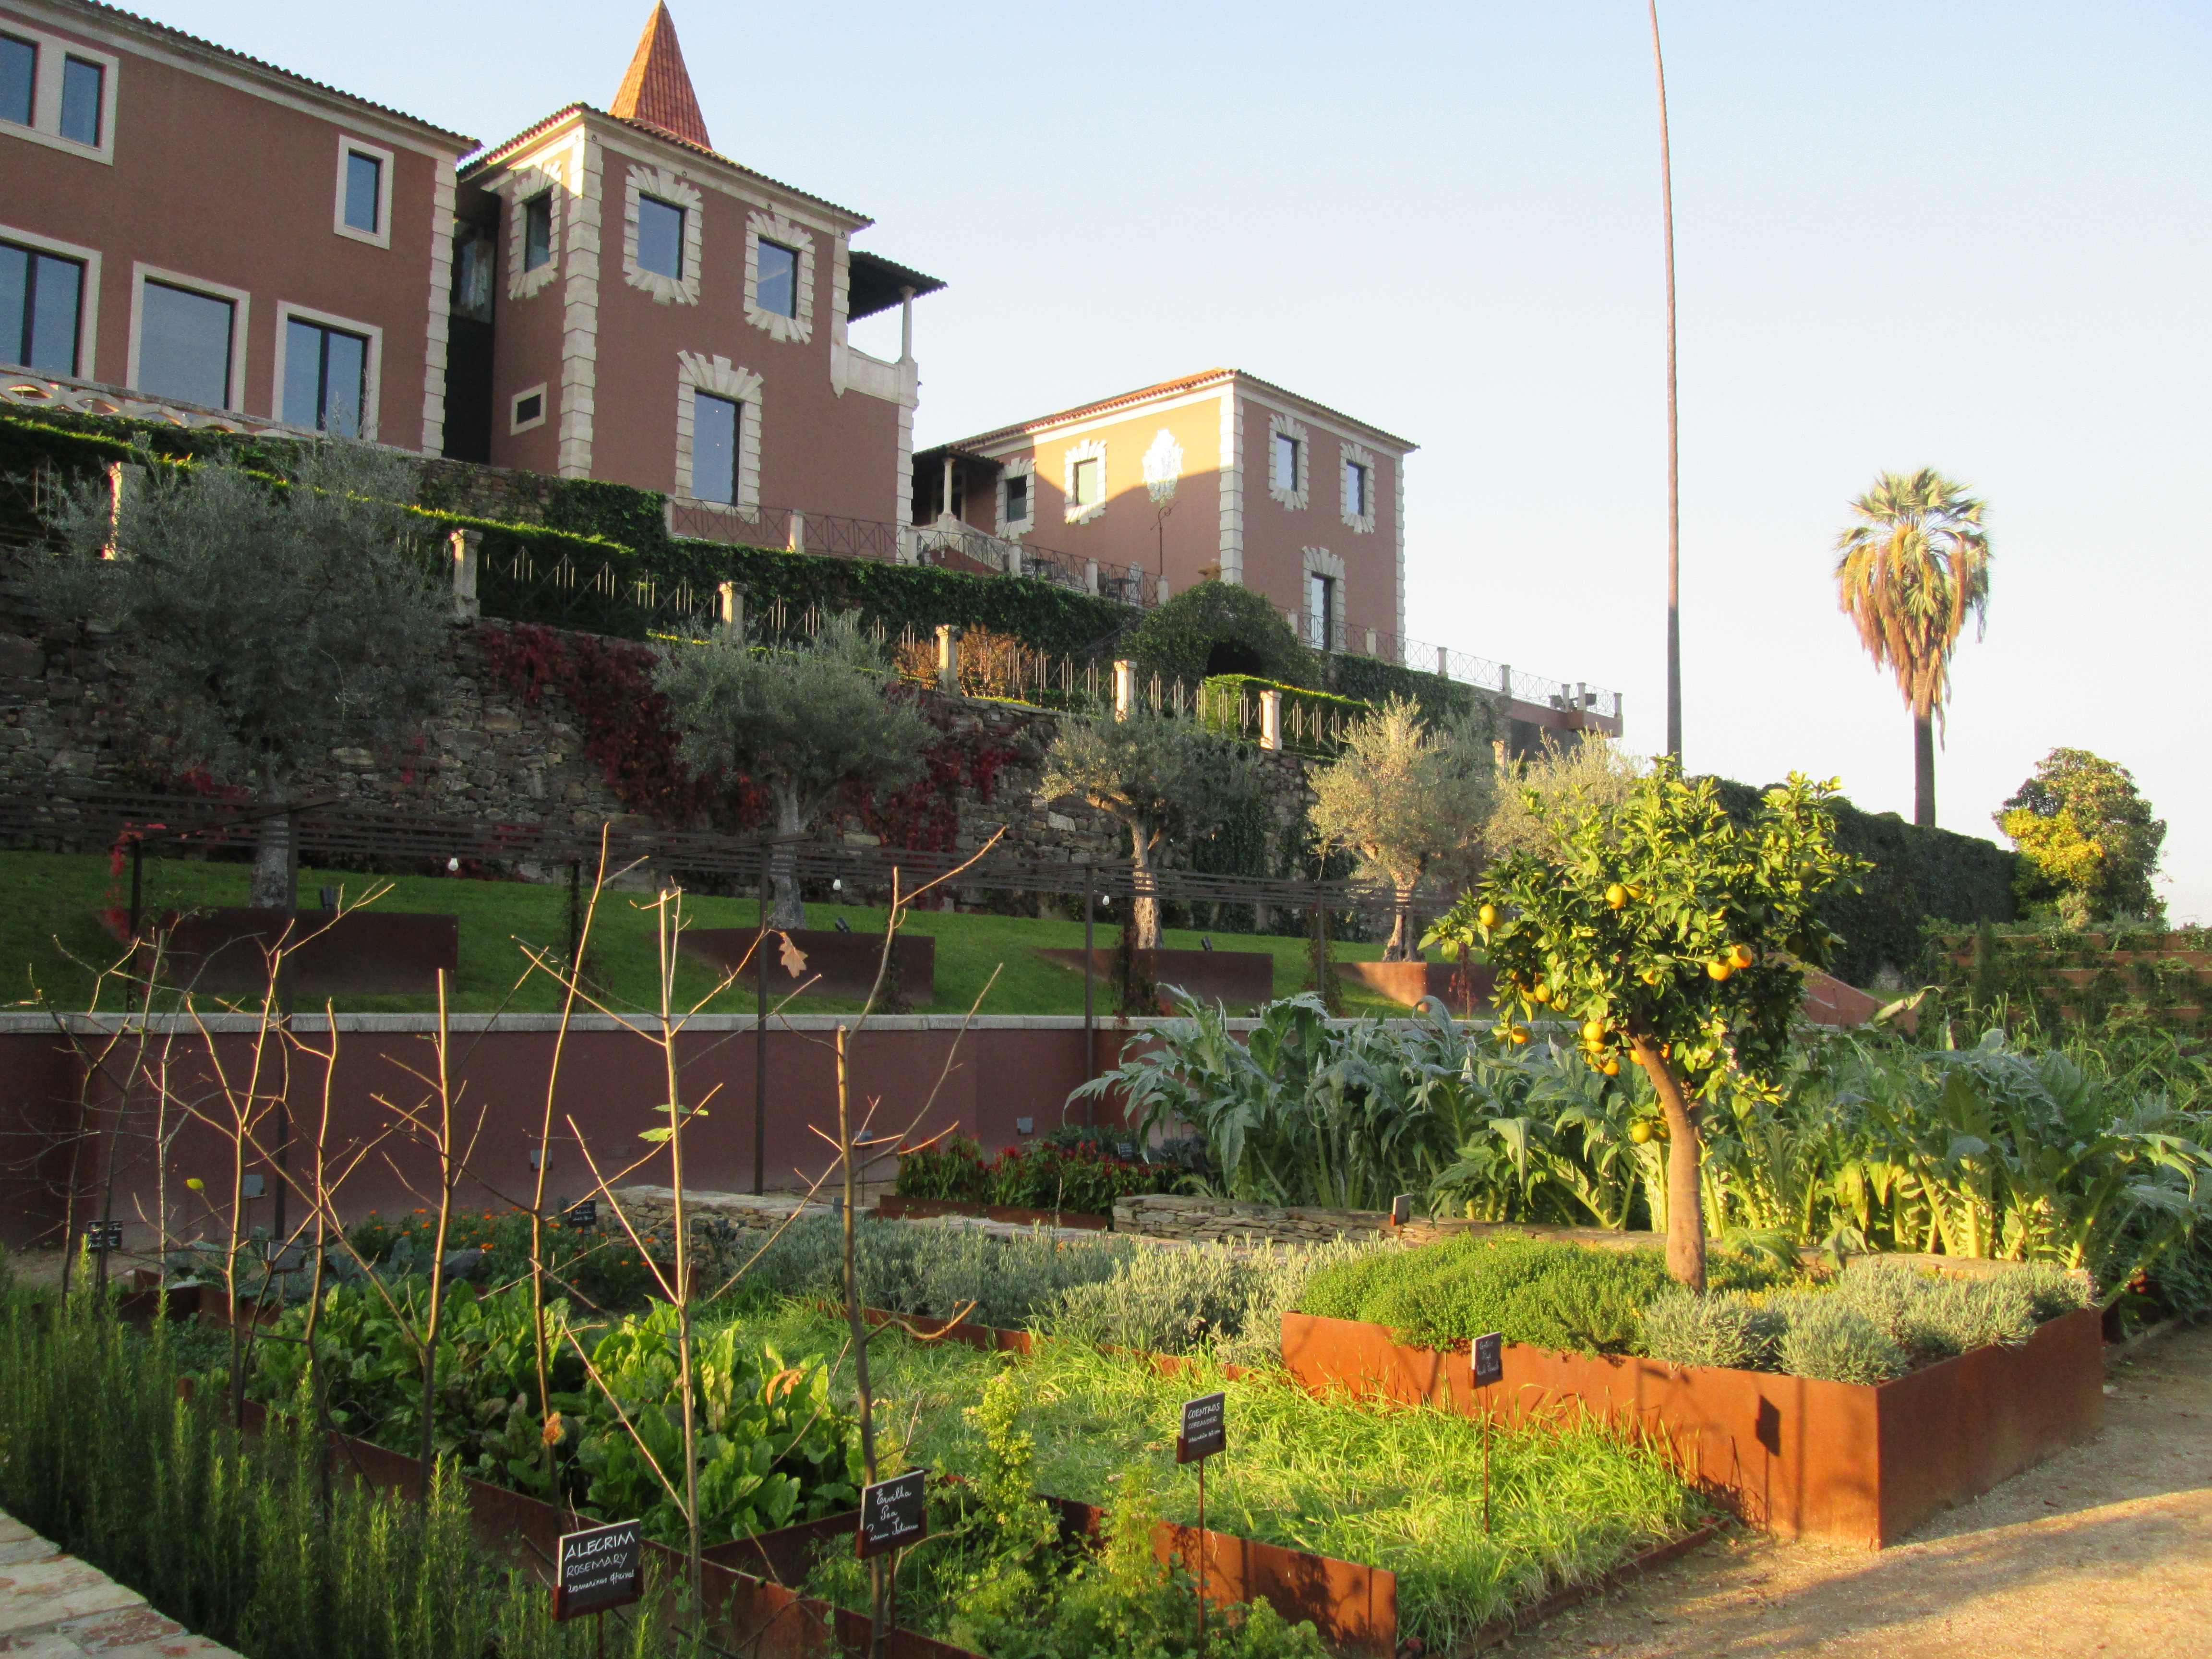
x=2106 y=1549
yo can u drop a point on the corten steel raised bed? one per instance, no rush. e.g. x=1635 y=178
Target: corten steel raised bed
x=1241 y=979
x=892 y=1207
x=359 y=953
x=1853 y=1464
x=1462 y=989
x=841 y=965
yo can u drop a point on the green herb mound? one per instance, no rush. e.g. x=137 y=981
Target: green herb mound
x=1540 y=1292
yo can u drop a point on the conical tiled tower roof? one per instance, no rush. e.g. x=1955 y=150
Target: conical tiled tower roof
x=657 y=91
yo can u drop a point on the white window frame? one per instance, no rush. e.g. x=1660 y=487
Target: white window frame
x=372 y=371
x=1286 y=426
x=87 y=304
x=1022 y=466
x=45 y=126
x=525 y=185
x=1320 y=561
x=774 y=228
x=241 y=324
x=382 y=236
x=1362 y=524
x=696 y=373
x=677 y=192
x=515 y=423
x=1090 y=449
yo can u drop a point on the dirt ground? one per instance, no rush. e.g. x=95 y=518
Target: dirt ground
x=2106 y=1549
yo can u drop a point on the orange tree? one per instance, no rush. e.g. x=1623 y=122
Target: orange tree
x=1671 y=934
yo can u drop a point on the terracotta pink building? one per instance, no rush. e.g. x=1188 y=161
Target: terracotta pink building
x=215 y=234
x=1216 y=475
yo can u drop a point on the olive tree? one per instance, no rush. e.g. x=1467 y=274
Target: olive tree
x=803 y=722
x=1672 y=933
x=1409 y=798
x=1159 y=777
x=260 y=622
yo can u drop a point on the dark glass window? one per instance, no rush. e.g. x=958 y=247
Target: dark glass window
x=19 y=74
x=326 y=378
x=660 y=237
x=529 y=409
x=1320 y=611
x=364 y=184
x=39 y=299
x=537 y=230
x=1018 y=498
x=1286 y=462
x=777 y=288
x=80 y=85
x=1355 y=490
x=184 y=344
x=713 y=447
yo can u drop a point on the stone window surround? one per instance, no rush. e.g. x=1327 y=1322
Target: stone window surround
x=515 y=406
x=696 y=372
x=382 y=236
x=678 y=192
x=1289 y=426
x=1320 y=561
x=525 y=185
x=1353 y=455
x=45 y=126
x=1163 y=467
x=1090 y=449
x=372 y=370
x=775 y=227
x=1021 y=466
x=88 y=301
x=242 y=303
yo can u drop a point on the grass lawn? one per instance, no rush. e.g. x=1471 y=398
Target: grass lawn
x=51 y=943
x=1386 y=1486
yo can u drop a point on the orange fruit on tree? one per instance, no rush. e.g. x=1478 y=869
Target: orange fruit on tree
x=1719 y=970
x=1640 y=1132
x=1487 y=916
x=1593 y=1030
x=1613 y=1066
x=1615 y=896
x=1741 y=956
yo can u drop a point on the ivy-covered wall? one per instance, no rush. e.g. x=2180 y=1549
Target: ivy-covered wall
x=1919 y=876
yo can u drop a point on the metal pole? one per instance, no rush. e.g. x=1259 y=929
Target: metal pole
x=1201 y=1557
x=1673 y=466
x=1090 y=1008
x=1485 y=1461
x=760 y=1034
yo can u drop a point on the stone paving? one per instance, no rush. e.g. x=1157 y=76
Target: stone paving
x=53 y=1606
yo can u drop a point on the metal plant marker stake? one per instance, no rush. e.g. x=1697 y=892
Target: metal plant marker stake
x=1488 y=1366
x=1205 y=1432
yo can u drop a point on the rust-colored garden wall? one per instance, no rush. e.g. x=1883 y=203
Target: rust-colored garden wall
x=610 y=1083
x=1848 y=1464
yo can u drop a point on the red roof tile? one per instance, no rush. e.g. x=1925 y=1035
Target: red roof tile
x=657 y=93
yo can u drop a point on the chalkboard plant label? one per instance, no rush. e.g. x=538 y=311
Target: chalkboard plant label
x=894 y=1513
x=1205 y=1428
x=1402 y=1209
x=584 y=1216
x=1489 y=1358
x=103 y=1234
x=600 y=1567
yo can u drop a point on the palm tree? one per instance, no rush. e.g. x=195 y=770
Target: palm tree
x=1908 y=572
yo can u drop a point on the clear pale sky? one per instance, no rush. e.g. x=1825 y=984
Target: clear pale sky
x=1910 y=232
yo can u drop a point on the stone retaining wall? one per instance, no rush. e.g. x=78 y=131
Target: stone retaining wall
x=1208 y=1220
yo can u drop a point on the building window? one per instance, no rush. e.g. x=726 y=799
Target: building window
x=364 y=184
x=81 y=82
x=1355 y=490
x=526 y=409
x=537 y=230
x=660 y=237
x=1289 y=461
x=39 y=297
x=1320 y=611
x=714 y=425
x=326 y=378
x=1286 y=473
x=778 y=288
x=1017 y=499
x=19 y=74
x=1087 y=488
x=185 y=344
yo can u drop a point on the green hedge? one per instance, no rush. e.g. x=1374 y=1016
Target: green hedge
x=1919 y=876
x=630 y=574
x=1372 y=681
